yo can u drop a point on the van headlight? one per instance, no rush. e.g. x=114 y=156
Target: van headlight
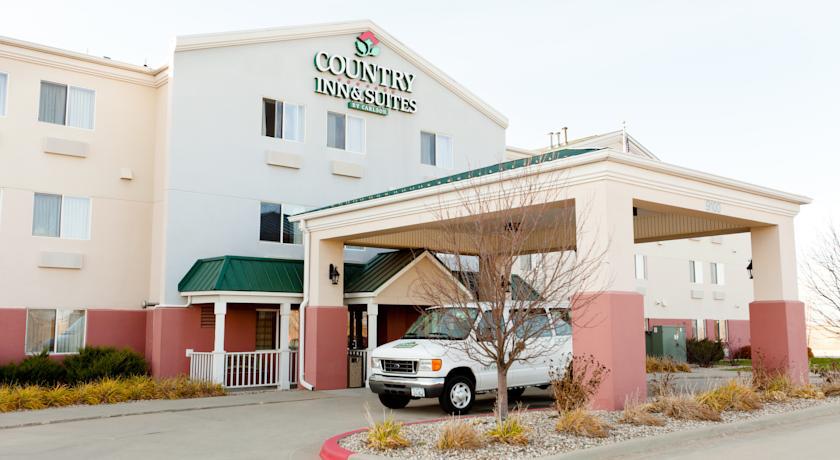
x=431 y=364
x=375 y=363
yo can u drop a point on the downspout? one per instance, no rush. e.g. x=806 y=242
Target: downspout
x=306 y=253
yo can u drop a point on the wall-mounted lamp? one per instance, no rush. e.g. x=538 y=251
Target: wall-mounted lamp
x=334 y=274
x=749 y=269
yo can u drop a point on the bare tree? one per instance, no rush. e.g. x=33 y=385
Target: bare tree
x=822 y=278
x=497 y=222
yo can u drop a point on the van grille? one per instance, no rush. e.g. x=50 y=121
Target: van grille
x=399 y=366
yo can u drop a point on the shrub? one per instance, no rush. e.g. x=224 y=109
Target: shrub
x=810 y=353
x=732 y=396
x=744 y=352
x=831 y=389
x=385 y=435
x=578 y=384
x=30 y=397
x=59 y=396
x=704 y=352
x=458 y=434
x=510 y=430
x=664 y=364
x=94 y=363
x=684 y=407
x=580 y=422
x=34 y=370
x=639 y=414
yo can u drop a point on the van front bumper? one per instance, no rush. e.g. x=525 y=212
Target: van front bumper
x=392 y=385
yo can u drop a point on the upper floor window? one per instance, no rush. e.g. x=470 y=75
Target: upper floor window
x=436 y=150
x=275 y=225
x=345 y=132
x=641 y=266
x=66 y=105
x=283 y=120
x=61 y=216
x=55 y=331
x=695 y=271
x=4 y=81
x=717 y=273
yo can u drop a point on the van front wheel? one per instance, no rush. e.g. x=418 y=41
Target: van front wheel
x=394 y=401
x=458 y=395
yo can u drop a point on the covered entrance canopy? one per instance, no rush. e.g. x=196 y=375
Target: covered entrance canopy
x=624 y=200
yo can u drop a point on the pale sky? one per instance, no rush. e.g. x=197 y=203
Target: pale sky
x=745 y=89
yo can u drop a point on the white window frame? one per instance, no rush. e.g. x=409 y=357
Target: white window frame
x=282 y=213
x=644 y=271
x=5 y=109
x=55 y=332
x=285 y=103
x=437 y=160
x=61 y=216
x=67 y=105
x=717 y=273
x=695 y=269
x=346 y=131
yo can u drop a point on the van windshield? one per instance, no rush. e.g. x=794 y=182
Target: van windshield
x=443 y=324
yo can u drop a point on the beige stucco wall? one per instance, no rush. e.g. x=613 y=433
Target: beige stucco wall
x=115 y=261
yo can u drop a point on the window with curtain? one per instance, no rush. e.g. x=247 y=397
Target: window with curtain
x=271 y=222
x=61 y=216
x=355 y=134
x=641 y=266
x=293 y=122
x=63 y=105
x=695 y=270
x=4 y=80
x=716 y=273
x=291 y=230
x=55 y=331
x=335 y=130
x=436 y=150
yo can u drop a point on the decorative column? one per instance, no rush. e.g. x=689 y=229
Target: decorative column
x=219 y=309
x=608 y=321
x=285 y=311
x=777 y=317
x=372 y=316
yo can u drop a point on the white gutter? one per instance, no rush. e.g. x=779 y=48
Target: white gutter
x=306 y=254
x=189 y=302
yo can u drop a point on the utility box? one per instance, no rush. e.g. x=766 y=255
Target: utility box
x=666 y=341
x=355 y=369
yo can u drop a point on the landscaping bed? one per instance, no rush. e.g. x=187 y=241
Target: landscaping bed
x=543 y=439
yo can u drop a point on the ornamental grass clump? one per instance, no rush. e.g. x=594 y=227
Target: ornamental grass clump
x=731 y=397
x=639 y=414
x=657 y=364
x=580 y=422
x=511 y=431
x=385 y=435
x=458 y=434
x=30 y=397
x=59 y=396
x=684 y=407
x=578 y=384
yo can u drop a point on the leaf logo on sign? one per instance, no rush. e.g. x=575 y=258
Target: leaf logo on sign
x=366 y=45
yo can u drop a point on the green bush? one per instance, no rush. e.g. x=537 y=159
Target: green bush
x=704 y=352
x=34 y=370
x=95 y=363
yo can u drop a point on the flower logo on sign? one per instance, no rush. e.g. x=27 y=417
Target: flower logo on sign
x=366 y=45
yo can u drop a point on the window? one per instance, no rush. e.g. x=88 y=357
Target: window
x=641 y=267
x=345 y=132
x=525 y=263
x=61 y=216
x=66 y=105
x=561 y=322
x=436 y=150
x=695 y=269
x=266 y=330
x=535 y=324
x=4 y=80
x=55 y=331
x=283 y=120
x=717 y=274
x=275 y=225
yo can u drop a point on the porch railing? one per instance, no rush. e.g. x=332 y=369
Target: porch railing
x=245 y=369
x=201 y=365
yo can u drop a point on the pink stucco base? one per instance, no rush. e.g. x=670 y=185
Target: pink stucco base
x=777 y=333
x=12 y=334
x=738 y=334
x=325 y=362
x=609 y=327
x=116 y=328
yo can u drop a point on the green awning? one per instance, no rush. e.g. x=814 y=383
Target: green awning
x=237 y=273
x=370 y=276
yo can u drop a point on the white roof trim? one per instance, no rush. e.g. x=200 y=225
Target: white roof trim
x=249 y=37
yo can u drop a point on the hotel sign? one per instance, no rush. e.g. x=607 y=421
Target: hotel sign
x=365 y=85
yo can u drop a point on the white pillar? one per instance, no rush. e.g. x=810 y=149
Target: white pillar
x=219 y=309
x=285 y=311
x=372 y=315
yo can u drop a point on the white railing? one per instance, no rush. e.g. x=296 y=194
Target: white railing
x=201 y=365
x=246 y=369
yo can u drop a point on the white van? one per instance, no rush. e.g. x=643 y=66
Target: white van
x=426 y=364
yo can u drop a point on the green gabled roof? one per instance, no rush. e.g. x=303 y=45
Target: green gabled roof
x=505 y=166
x=237 y=273
x=521 y=290
x=370 y=276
